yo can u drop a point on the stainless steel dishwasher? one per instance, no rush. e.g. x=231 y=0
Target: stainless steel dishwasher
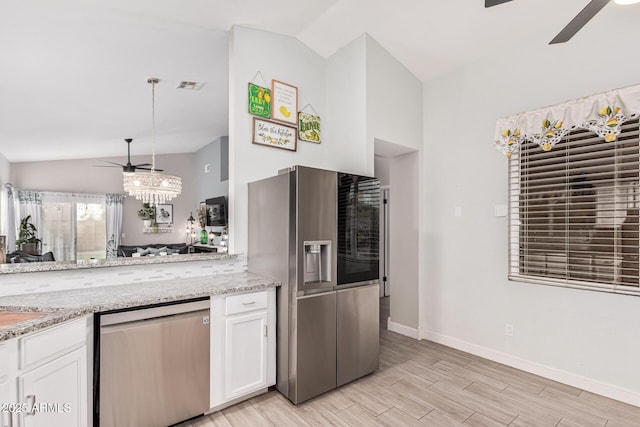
x=154 y=365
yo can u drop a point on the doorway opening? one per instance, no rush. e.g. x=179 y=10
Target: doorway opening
x=397 y=168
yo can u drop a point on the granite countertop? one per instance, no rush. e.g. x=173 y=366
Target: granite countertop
x=65 y=305
x=33 y=267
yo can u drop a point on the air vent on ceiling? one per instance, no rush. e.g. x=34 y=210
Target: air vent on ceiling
x=185 y=84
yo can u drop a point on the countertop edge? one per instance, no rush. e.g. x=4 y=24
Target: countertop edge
x=42 y=267
x=55 y=316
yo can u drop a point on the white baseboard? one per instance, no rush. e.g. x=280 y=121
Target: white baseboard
x=584 y=383
x=402 y=329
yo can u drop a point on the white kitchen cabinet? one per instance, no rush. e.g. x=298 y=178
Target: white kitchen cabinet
x=243 y=333
x=5 y=398
x=58 y=390
x=245 y=354
x=48 y=370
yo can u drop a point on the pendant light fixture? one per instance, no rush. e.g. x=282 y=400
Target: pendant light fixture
x=152 y=187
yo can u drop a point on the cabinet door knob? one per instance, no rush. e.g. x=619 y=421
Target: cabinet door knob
x=32 y=404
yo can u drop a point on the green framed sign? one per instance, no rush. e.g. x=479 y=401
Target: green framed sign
x=259 y=101
x=309 y=128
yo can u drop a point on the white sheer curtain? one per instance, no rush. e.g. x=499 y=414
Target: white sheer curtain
x=113 y=214
x=21 y=204
x=12 y=218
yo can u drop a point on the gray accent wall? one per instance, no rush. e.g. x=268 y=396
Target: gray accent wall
x=213 y=183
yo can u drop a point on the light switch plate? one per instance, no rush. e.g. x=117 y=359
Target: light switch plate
x=500 y=210
x=458 y=211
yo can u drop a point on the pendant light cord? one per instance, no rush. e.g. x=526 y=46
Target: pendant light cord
x=153 y=81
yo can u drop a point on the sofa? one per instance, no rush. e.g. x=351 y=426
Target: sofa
x=20 y=257
x=152 y=249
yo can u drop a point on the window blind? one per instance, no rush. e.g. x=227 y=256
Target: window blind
x=573 y=211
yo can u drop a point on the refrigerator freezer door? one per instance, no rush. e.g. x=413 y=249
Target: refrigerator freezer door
x=316 y=343
x=358 y=332
x=316 y=206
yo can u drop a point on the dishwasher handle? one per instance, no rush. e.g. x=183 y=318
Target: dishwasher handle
x=153 y=312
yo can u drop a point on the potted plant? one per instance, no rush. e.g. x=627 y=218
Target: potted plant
x=28 y=237
x=147 y=214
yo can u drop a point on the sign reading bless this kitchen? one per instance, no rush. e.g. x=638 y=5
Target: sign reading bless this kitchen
x=274 y=134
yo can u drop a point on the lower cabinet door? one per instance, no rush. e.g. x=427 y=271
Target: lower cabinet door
x=5 y=398
x=56 y=391
x=245 y=354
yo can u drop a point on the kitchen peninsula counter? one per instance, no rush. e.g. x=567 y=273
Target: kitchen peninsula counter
x=61 y=306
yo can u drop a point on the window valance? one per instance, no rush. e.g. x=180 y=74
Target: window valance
x=602 y=113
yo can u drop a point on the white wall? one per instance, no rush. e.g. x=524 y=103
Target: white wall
x=586 y=338
x=394 y=119
x=394 y=100
x=381 y=169
x=346 y=122
x=276 y=57
x=404 y=241
x=82 y=177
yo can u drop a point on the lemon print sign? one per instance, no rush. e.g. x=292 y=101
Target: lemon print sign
x=259 y=101
x=274 y=134
x=285 y=102
x=309 y=128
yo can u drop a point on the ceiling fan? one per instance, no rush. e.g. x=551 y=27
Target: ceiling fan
x=585 y=15
x=127 y=167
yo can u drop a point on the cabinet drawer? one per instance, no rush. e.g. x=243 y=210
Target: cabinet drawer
x=52 y=342
x=246 y=302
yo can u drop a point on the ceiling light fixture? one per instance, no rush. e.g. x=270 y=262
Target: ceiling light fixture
x=152 y=187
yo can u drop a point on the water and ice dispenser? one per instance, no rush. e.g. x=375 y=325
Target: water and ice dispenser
x=317 y=262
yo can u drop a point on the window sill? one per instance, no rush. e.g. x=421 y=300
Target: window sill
x=575 y=284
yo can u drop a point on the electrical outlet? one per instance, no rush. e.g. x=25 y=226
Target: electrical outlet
x=508 y=331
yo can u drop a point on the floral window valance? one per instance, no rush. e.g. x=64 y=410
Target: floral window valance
x=602 y=113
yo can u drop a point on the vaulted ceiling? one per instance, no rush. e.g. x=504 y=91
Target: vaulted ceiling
x=73 y=72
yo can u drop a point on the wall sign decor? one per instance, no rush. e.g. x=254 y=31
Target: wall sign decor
x=274 y=134
x=285 y=102
x=309 y=125
x=164 y=214
x=259 y=101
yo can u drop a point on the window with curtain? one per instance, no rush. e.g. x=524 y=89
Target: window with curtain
x=73 y=225
x=574 y=211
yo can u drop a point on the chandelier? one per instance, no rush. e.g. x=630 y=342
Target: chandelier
x=152 y=187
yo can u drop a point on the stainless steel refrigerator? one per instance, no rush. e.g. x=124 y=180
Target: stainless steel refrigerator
x=327 y=331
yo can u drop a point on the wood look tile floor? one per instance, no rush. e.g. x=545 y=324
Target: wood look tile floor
x=421 y=383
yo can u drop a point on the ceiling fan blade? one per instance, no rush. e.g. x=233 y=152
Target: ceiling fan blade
x=148 y=169
x=491 y=3
x=113 y=163
x=107 y=166
x=585 y=15
x=142 y=164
